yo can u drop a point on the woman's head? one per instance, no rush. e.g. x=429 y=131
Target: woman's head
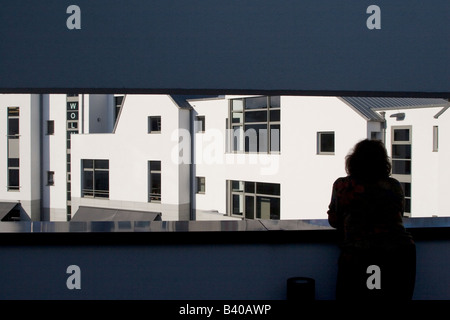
x=368 y=161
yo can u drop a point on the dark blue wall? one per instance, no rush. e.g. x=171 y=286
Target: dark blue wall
x=209 y=271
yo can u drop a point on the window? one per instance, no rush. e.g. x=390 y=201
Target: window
x=200 y=123
x=13 y=152
x=50 y=127
x=154 y=124
x=402 y=161
x=118 y=102
x=325 y=142
x=255 y=124
x=201 y=185
x=435 y=138
x=254 y=200
x=95 y=179
x=154 y=181
x=50 y=178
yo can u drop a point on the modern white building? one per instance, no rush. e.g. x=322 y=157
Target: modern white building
x=210 y=158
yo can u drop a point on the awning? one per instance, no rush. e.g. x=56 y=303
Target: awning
x=5 y=209
x=110 y=214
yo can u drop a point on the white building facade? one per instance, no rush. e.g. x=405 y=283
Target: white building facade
x=214 y=158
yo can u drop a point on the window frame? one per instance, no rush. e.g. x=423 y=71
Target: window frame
x=200 y=124
x=151 y=196
x=199 y=182
x=239 y=129
x=50 y=127
x=246 y=193
x=50 y=178
x=150 y=124
x=13 y=112
x=96 y=194
x=319 y=143
x=403 y=178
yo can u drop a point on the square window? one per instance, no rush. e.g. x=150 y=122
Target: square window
x=154 y=124
x=325 y=143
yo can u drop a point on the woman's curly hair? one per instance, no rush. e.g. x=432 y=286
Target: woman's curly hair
x=368 y=161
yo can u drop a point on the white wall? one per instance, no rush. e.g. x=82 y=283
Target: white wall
x=129 y=149
x=54 y=158
x=305 y=177
x=29 y=193
x=429 y=168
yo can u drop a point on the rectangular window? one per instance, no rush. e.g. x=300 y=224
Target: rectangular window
x=50 y=178
x=118 y=102
x=435 y=138
x=325 y=142
x=50 y=127
x=200 y=124
x=154 y=181
x=95 y=178
x=401 y=156
x=13 y=146
x=201 y=185
x=154 y=124
x=254 y=200
x=255 y=125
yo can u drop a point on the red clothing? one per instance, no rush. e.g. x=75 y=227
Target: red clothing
x=368 y=214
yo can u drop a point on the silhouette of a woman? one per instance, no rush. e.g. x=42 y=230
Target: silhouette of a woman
x=367 y=209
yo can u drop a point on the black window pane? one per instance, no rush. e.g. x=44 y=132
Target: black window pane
x=101 y=181
x=13 y=126
x=268 y=188
x=237 y=204
x=118 y=100
x=88 y=180
x=50 y=127
x=401 y=166
x=155 y=183
x=88 y=164
x=275 y=102
x=155 y=165
x=13 y=162
x=256 y=103
x=250 y=187
x=401 y=135
x=327 y=142
x=13 y=178
x=401 y=151
x=155 y=124
x=101 y=164
x=256 y=116
x=274 y=115
x=249 y=207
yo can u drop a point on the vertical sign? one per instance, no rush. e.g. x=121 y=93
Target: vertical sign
x=72 y=128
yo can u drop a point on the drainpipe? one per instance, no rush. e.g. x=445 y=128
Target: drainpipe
x=192 y=215
x=383 y=125
x=41 y=157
